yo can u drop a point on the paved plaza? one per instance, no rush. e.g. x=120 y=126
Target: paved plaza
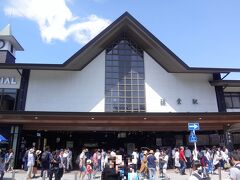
x=21 y=175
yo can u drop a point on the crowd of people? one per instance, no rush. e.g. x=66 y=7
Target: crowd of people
x=118 y=164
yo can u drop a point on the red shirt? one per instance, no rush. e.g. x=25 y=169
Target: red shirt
x=181 y=155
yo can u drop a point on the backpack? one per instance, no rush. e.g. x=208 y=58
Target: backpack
x=45 y=156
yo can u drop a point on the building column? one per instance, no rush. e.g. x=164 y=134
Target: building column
x=219 y=94
x=228 y=137
x=15 y=134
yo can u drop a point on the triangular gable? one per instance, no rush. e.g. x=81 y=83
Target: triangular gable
x=128 y=24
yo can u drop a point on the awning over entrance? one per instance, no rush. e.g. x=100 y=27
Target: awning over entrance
x=84 y=121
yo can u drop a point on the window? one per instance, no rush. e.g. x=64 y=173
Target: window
x=124 y=65
x=8 y=99
x=232 y=100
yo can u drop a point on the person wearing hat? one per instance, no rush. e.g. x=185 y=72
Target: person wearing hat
x=144 y=169
x=151 y=159
x=89 y=169
x=30 y=163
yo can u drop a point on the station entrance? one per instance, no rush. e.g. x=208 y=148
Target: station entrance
x=108 y=140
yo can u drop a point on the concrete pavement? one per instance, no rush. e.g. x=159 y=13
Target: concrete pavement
x=21 y=175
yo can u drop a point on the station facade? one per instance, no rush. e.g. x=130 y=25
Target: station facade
x=124 y=88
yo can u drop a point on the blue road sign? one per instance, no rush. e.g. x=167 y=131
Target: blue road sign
x=193 y=126
x=192 y=138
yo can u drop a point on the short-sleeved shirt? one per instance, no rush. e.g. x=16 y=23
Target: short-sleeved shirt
x=188 y=153
x=181 y=155
x=235 y=173
x=151 y=161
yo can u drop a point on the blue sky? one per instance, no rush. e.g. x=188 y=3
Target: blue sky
x=202 y=33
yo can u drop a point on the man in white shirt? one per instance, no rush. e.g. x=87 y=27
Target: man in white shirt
x=135 y=157
x=30 y=163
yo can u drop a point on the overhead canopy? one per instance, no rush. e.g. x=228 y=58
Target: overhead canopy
x=102 y=121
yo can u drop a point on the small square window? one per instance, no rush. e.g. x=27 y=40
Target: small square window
x=114 y=63
x=134 y=94
x=128 y=93
x=134 y=58
x=108 y=63
x=141 y=94
x=108 y=69
x=121 y=100
x=122 y=107
x=129 y=107
x=128 y=87
x=135 y=100
x=134 y=88
x=128 y=81
x=108 y=75
x=141 y=88
x=141 y=81
x=114 y=93
x=121 y=93
x=135 y=107
x=128 y=100
x=141 y=100
x=134 y=81
x=115 y=69
x=115 y=57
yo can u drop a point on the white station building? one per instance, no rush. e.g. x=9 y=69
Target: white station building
x=124 y=88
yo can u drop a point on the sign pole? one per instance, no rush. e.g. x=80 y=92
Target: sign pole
x=195 y=146
x=195 y=143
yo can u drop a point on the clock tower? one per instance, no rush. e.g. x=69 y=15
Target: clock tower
x=8 y=46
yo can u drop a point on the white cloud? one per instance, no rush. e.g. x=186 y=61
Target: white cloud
x=55 y=19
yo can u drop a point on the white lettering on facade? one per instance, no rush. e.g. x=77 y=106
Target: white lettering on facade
x=8 y=80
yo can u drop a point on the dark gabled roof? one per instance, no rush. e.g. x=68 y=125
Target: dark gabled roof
x=145 y=39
